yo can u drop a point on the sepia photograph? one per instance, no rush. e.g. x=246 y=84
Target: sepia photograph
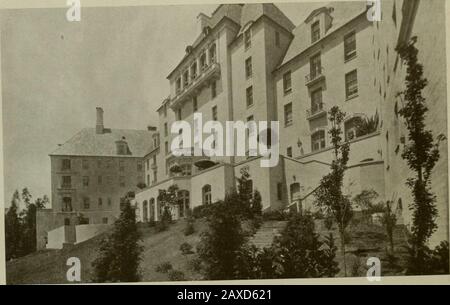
x=225 y=142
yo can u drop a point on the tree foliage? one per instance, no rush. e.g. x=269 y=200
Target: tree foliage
x=421 y=153
x=120 y=252
x=20 y=225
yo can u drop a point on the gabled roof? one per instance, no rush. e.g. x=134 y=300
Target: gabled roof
x=88 y=143
x=343 y=12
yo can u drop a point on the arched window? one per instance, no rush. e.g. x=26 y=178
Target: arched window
x=318 y=140
x=145 y=211
x=206 y=194
x=183 y=196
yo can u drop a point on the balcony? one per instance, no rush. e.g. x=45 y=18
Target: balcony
x=316 y=111
x=315 y=76
x=206 y=75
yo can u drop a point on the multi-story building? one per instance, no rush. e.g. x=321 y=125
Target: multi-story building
x=92 y=173
x=250 y=63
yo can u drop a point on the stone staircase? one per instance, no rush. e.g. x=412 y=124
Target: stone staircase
x=267 y=232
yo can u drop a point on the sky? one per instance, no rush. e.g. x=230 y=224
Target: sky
x=55 y=73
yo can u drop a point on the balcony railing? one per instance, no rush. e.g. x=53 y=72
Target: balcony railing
x=206 y=74
x=315 y=76
x=316 y=111
x=66 y=186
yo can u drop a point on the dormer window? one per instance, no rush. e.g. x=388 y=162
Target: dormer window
x=315 y=31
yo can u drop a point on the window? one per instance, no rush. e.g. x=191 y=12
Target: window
x=85 y=181
x=318 y=140
x=109 y=163
x=316 y=101
x=203 y=63
x=351 y=128
x=279 y=191
x=166 y=147
x=148 y=180
x=86 y=203
x=155 y=176
x=66 y=181
x=288 y=114
x=105 y=220
x=166 y=130
x=214 y=113
x=67 y=204
x=99 y=180
x=213 y=89
x=247 y=39
x=65 y=164
x=194 y=71
x=122 y=181
x=100 y=202
x=194 y=104
x=177 y=86
x=277 y=39
x=85 y=164
x=287 y=83
x=351 y=84
x=289 y=151
x=139 y=166
x=315 y=65
x=249 y=96
x=67 y=221
x=183 y=196
x=121 y=166
x=248 y=67
x=185 y=78
x=315 y=31
x=212 y=53
x=109 y=202
x=186 y=170
x=350 y=46
x=206 y=194
x=179 y=114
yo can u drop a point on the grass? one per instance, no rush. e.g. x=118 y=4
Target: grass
x=49 y=266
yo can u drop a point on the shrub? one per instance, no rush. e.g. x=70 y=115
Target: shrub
x=164 y=267
x=176 y=275
x=202 y=211
x=186 y=248
x=195 y=264
x=275 y=215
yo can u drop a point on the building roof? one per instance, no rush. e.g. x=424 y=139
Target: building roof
x=342 y=13
x=241 y=14
x=88 y=143
x=253 y=11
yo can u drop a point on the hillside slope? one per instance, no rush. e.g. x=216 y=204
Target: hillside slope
x=49 y=266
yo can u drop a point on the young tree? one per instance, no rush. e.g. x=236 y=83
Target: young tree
x=120 y=252
x=421 y=154
x=220 y=245
x=13 y=229
x=168 y=198
x=329 y=195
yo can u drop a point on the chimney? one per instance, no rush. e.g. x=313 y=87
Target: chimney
x=99 y=125
x=202 y=22
x=151 y=128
